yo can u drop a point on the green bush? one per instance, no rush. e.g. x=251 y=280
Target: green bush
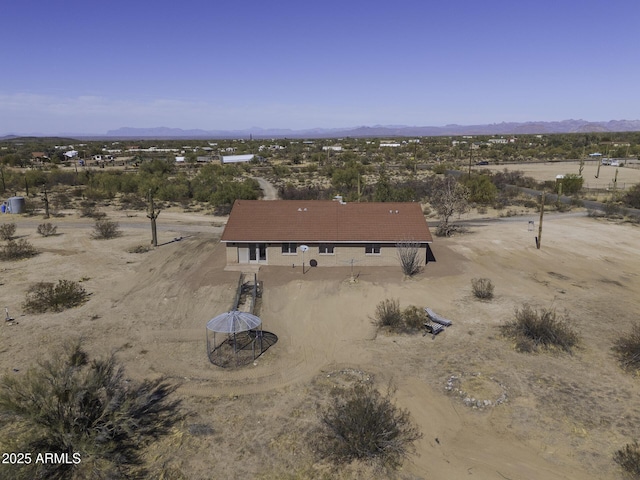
x=534 y=329
x=87 y=410
x=362 y=424
x=482 y=288
x=47 y=296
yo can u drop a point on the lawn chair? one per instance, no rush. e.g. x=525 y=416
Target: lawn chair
x=432 y=328
x=437 y=318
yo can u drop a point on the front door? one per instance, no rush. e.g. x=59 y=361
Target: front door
x=257 y=253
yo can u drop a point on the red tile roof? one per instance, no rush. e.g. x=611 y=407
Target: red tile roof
x=325 y=221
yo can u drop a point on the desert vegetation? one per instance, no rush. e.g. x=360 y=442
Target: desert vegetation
x=86 y=410
x=17 y=250
x=534 y=329
x=47 y=229
x=627 y=349
x=7 y=231
x=388 y=315
x=105 y=229
x=482 y=288
x=361 y=424
x=48 y=296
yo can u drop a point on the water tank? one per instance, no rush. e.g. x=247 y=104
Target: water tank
x=16 y=205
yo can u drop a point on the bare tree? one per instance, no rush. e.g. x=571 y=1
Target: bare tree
x=449 y=198
x=409 y=256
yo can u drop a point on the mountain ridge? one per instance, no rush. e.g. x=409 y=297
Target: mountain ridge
x=503 y=128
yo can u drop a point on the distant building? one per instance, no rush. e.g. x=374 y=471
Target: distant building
x=334 y=148
x=240 y=158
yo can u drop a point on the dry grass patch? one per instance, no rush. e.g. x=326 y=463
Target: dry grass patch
x=533 y=330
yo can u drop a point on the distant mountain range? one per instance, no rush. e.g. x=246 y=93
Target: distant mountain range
x=504 y=128
x=510 y=128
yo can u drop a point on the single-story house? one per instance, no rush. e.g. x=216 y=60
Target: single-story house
x=335 y=233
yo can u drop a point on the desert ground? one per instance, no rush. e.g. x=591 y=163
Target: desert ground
x=542 y=416
x=628 y=175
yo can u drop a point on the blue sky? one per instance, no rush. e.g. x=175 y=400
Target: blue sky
x=70 y=66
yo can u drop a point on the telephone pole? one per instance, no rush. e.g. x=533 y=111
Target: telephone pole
x=539 y=237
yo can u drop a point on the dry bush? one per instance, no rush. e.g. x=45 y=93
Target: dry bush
x=87 y=410
x=388 y=314
x=414 y=318
x=533 y=330
x=629 y=459
x=361 y=424
x=627 y=349
x=90 y=209
x=17 y=250
x=7 y=231
x=45 y=296
x=105 y=229
x=482 y=288
x=409 y=255
x=47 y=229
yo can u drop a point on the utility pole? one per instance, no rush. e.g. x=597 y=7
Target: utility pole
x=4 y=187
x=46 y=203
x=470 y=157
x=152 y=215
x=539 y=237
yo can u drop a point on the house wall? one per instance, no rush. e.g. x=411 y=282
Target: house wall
x=341 y=257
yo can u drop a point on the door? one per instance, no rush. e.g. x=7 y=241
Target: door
x=257 y=253
x=243 y=254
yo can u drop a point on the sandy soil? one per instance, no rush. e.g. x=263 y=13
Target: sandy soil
x=547 y=416
x=627 y=176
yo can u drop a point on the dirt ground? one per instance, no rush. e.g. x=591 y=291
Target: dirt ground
x=486 y=411
x=627 y=176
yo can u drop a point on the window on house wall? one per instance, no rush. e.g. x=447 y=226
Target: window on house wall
x=325 y=249
x=372 y=249
x=289 y=248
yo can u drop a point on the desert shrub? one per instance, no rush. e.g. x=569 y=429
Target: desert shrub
x=16 y=250
x=90 y=209
x=105 y=229
x=7 y=231
x=47 y=229
x=627 y=349
x=388 y=314
x=534 y=329
x=409 y=256
x=86 y=409
x=611 y=209
x=132 y=201
x=414 y=318
x=482 y=288
x=45 y=296
x=364 y=425
x=629 y=458
x=139 y=249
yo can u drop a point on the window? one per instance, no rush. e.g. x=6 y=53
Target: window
x=289 y=248
x=372 y=249
x=325 y=249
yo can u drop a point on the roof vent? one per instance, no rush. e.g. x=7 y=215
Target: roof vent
x=397 y=211
x=299 y=209
x=305 y=209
